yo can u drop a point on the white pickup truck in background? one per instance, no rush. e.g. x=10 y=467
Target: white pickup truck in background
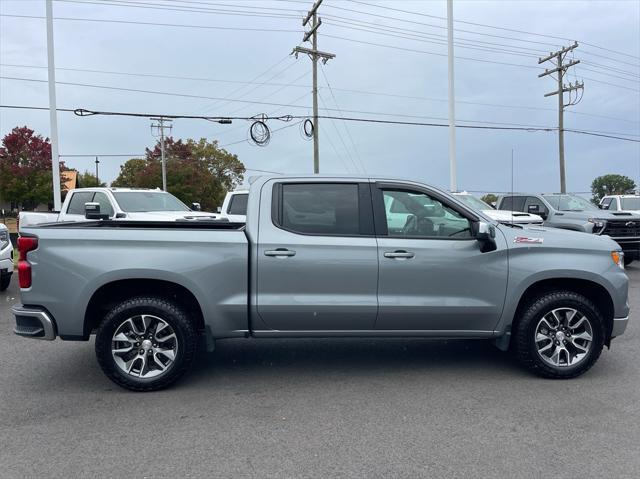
x=119 y=204
x=620 y=203
x=234 y=206
x=501 y=216
x=6 y=258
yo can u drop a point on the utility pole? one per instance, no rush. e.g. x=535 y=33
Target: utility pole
x=314 y=54
x=53 y=114
x=453 y=184
x=561 y=69
x=160 y=125
x=97 y=177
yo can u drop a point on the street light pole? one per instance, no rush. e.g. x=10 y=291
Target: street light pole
x=453 y=182
x=97 y=177
x=53 y=115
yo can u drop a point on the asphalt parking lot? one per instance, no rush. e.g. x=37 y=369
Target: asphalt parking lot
x=320 y=408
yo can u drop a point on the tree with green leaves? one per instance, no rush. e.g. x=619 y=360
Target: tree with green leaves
x=489 y=198
x=611 y=185
x=197 y=171
x=25 y=169
x=88 y=180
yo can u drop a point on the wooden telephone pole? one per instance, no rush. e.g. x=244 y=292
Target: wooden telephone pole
x=314 y=54
x=560 y=69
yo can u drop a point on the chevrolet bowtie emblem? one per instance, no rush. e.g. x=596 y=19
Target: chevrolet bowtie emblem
x=630 y=223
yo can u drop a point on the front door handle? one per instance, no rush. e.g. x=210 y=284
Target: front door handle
x=399 y=254
x=279 y=252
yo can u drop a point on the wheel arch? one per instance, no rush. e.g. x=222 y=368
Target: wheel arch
x=590 y=289
x=114 y=292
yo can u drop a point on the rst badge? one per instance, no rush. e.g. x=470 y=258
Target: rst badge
x=527 y=240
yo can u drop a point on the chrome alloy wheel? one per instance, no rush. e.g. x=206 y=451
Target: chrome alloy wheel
x=563 y=337
x=144 y=346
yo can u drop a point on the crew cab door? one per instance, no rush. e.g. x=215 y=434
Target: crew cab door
x=317 y=260
x=433 y=276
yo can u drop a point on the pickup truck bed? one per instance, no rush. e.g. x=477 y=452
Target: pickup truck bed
x=170 y=252
x=321 y=257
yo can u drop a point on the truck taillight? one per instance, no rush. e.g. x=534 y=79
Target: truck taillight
x=25 y=244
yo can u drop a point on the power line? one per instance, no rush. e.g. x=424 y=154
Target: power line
x=83 y=112
x=346 y=127
x=346 y=149
x=239 y=89
x=178 y=25
x=182 y=9
x=563 y=39
x=291 y=84
x=129 y=22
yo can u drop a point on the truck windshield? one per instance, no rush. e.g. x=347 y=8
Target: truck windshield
x=143 y=201
x=631 y=203
x=473 y=202
x=570 y=203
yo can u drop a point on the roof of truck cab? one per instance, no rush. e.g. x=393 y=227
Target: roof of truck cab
x=115 y=188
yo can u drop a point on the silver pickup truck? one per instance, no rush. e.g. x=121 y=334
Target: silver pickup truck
x=321 y=257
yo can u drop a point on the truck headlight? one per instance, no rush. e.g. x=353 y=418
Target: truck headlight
x=618 y=258
x=598 y=225
x=4 y=239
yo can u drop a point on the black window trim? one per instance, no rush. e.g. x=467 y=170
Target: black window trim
x=380 y=215
x=365 y=208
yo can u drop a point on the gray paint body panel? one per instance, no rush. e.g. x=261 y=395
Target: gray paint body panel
x=330 y=288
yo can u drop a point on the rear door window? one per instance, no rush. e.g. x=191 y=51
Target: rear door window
x=105 y=204
x=533 y=201
x=513 y=203
x=320 y=208
x=607 y=203
x=78 y=199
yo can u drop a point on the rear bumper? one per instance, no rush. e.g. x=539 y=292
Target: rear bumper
x=619 y=326
x=34 y=323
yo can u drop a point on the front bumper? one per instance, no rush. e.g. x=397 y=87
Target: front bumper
x=34 y=323
x=619 y=326
x=630 y=246
x=6 y=265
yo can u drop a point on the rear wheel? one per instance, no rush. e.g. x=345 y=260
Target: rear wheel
x=146 y=343
x=560 y=335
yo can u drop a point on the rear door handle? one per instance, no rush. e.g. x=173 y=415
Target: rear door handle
x=279 y=252
x=399 y=254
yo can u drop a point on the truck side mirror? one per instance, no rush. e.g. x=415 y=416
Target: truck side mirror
x=219 y=209
x=92 y=212
x=486 y=236
x=196 y=206
x=534 y=209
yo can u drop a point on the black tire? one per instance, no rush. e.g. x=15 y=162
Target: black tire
x=525 y=333
x=5 y=280
x=173 y=315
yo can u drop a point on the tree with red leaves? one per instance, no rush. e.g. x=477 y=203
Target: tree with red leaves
x=197 y=171
x=25 y=168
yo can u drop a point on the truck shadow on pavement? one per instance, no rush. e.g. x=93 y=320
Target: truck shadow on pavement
x=305 y=358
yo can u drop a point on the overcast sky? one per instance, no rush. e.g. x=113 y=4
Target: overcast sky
x=378 y=79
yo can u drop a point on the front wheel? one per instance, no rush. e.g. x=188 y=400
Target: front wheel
x=560 y=335
x=146 y=343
